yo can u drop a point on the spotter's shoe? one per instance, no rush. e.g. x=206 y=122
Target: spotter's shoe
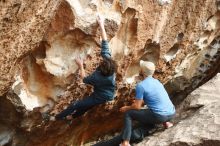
x=167 y=125
x=127 y=145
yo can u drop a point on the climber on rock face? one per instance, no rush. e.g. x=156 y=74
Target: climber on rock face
x=160 y=109
x=102 y=79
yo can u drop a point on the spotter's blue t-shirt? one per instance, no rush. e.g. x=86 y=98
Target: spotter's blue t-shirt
x=155 y=96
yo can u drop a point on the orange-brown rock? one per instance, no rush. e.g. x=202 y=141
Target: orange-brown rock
x=39 y=41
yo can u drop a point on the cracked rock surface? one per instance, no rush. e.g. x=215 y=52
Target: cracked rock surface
x=39 y=41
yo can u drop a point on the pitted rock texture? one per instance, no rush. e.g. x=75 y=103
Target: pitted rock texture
x=22 y=25
x=202 y=127
x=40 y=41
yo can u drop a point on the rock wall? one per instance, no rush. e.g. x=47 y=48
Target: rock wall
x=41 y=39
x=23 y=25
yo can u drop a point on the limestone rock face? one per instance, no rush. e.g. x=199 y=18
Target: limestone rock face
x=201 y=126
x=39 y=41
x=23 y=25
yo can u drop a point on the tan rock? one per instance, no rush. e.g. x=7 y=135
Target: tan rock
x=39 y=41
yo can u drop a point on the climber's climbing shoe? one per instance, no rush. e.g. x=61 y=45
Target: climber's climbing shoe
x=45 y=117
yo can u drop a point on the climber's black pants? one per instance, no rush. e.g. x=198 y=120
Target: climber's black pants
x=79 y=107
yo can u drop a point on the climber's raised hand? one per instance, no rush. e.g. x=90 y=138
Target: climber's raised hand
x=79 y=62
x=100 y=19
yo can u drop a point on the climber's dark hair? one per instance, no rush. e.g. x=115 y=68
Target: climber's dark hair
x=108 y=67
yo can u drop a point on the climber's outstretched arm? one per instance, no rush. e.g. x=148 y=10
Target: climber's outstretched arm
x=101 y=22
x=105 y=48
